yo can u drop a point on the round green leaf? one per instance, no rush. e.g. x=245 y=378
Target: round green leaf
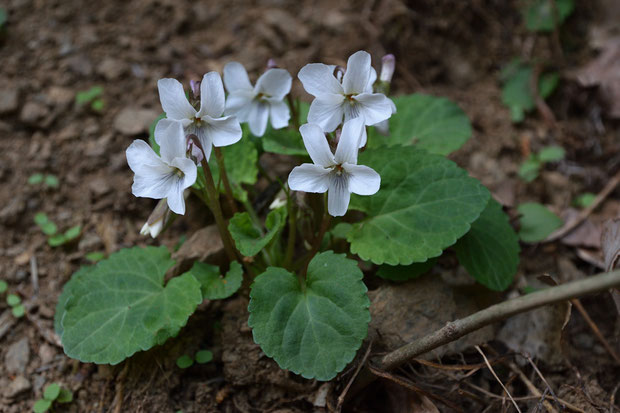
x=212 y=285
x=203 y=356
x=18 y=311
x=51 y=391
x=551 y=153
x=184 y=361
x=12 y=300
x=490 y=250
x=73 y=232
x=405 y=272
x=66 y=295
x=537 y=222
x=247 y=235
x=582 y=201
x=429 y=122
x=3 y=286
x=65 y=396
x=285 y=142
x=424 y=205
x=35 y=179
x=41 y=406
x=314 y=331
x=540 y=15
x=51 y=181
x=56 y=240
x=121 y=306
x=41 y=218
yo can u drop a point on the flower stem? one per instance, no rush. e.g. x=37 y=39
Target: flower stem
x=327 y=219
x=292 y=231
x=294 y=111
x=224 y=175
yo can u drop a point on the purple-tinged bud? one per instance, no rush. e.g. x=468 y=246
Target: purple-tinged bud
x=271 y=64
x=339 y=72
x=195 y=87
x=157 y=220
x=388 y=63
x=195 y=153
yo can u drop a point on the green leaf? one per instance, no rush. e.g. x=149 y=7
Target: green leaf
x=57 y=240
x=547 y=83
x=81 y=98
x=73 y=232
x=41 y=406
x=97 y=105
x=551 y=153
x=528 y=171
x=241 y=166
x=51 y=181
x=212 y=285
x=284 y=141
x=3 y=286
x=424 y=205
x=65 y=396
x=341 y=230
x=152 y=142
x=540 y=16
x=184 y=361
x=490 y=250
x=95 y=256
x=18 y=311
x=35 y=179
x=47 y=226
x=67 y=294
x=41 y=218
x=3 y=17
x=203 y=356
x=582 y=201
x=314 y=331
x=537 y=222
x=517 y=88
x=429 y=122
x=247 y=235
x=51 y=392
x=121 y=306
x=405 y=272
x=13 y=299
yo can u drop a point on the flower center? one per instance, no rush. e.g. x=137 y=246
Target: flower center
x=350 y=98
x=179 y=173
x=197 y=121
x=262 y=96
x=338 y=169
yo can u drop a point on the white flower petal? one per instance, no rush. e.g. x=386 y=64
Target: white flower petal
x=371 y=80
x=327 y=111
x=204 y=137
x=338 y=196
x=316 y=145
x=375 y=107
x=257 y=119
x=212 y=98
x=363 y=180
x=363 y=138
x=224 y=131
x=143 y=160
x=239 y=103
x=356 y=77
x=172 y=141
x=173 y=100
x=279 y=114
x=188 y=167
x=236 y=77
x=153 y=185
x=308 y=177
x=346 y=152
x=318 y=79
x=274 y=83
x=162 y=129
x=176 y=201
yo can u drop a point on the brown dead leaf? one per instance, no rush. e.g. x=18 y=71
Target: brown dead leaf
x=610 y=241
x=587 y=234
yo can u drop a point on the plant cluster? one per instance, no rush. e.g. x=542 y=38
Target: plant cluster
x=308 y=307
x=53 y=393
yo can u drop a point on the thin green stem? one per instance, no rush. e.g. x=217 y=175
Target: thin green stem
x=327 y=219
x=224 y=176
x=294 y=111
x=292 y=231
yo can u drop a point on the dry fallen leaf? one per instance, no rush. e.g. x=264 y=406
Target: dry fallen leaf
x=610 y=241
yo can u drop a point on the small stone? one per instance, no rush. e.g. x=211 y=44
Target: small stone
x=69 y=132
x=33 y=112
x=111 y=69
x=99 y=186
x=133 y=121
x=17 y=356
x=23 y=258
x=9 y=100
x=80 y=65
x=60 y=96
x=17 y=386
x=46 y=353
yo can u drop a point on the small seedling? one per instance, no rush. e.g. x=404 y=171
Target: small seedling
x=3 y=286
x=50 y=229
x=546 y=15
x=49 y=180
x=185 y=361
x=3 y=18
x=537 y=222
x=584 y=200
x=17 y=308
x=53 y=393
x=203 y=356
x=91 y=97
x=95 y=256
x=530 y=169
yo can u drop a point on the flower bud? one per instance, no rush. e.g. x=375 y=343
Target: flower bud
x=339 y=72
x=157 y=220
x=271 y=64
x=194 y=85
x=195 y=153
x=388 y=63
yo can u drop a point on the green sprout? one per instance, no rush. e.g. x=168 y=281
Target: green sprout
x=92 y=97
x=50 y=229
x=530 y=169
x=53 y=393
x=49 y=180
x=17 y=308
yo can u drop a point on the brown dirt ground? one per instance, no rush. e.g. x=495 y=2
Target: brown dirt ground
x=52 y=49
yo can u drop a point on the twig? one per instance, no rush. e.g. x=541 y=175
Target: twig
x=34 y=275
x=595 y=329
x=557 y=401
x=532 y=388
x=497 y=378
x=571 y=225
x=357 y=370
x=222 y=166
x=458 y=328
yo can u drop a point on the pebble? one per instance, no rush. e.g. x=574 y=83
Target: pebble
x=9 y=100
x=17 y=356
x=111 y=69
x=33 y=112
x=133 y=121
x=17 y=386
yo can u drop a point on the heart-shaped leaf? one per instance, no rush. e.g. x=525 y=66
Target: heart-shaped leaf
x=537 y=222
x=424 y=205
x=490 y=250
x=429 y=122
x=405 y=272
x=121 y=306
x=212 y=285
x=247 y=235
x=313 y=331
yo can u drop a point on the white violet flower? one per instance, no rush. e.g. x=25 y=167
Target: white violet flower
x=207 y=123
x=256 y=104
x=336 y=173
x=166 y=176
x=349 y=97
